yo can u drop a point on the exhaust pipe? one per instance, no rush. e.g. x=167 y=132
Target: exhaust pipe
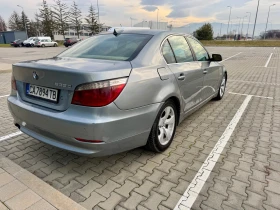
x=18 y=126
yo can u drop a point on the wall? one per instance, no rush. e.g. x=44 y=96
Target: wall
x=20 y=35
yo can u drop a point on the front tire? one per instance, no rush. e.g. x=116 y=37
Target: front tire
x=164 y=127
x=55 y=45
x=222 y=88
x=43 y=45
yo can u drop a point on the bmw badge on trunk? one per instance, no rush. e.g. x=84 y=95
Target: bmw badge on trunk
x=35 y=75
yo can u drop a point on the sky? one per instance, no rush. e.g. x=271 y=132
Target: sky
x=177 y=12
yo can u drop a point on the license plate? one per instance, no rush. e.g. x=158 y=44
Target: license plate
x=42 y=92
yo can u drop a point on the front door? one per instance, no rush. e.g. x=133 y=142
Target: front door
x=210 y=69
x=187 y=71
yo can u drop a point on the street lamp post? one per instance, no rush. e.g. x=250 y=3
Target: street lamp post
x=242 y=26
x=24 y=19
x=221 y=30
x=239 y=25
x=256 y=19
x=248 y=25
x=267 y=19
x=229 y=18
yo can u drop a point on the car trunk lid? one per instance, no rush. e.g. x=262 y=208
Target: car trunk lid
x=64 y=75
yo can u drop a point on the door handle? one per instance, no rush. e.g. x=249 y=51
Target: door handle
x=181 y=77
x=205 y=71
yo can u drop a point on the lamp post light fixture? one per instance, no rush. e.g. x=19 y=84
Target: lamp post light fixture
x=267 y=19
x=229 y=18
x=24 y=19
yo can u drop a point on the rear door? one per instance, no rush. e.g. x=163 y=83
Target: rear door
x=210 y=70
x=188 y=73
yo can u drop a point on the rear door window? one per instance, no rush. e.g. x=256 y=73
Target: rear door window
x=181 y=49
x=168 y=53
x=200 y=52
x=124 y=47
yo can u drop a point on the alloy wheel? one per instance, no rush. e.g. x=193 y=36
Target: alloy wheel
x=166 y=125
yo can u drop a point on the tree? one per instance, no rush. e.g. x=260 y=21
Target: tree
x=32 y=29
x=15 y=22
x=46 y=20
x=75 y=18
x=38 y=24
x=205 y=32
x=61 y=16
x=3 y=26
x=92 y=22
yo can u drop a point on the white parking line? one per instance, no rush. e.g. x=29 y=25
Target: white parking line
x=230 y=57
x=3 y=138
x=267 y=62
x=190 y=195
x=242 y=94
x=4 y=96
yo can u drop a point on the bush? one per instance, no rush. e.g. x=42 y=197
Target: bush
x=205 y=32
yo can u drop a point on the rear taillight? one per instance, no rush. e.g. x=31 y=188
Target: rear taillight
x=98 y=94
x=13 y=83
x=39 y=43
x=68 y=41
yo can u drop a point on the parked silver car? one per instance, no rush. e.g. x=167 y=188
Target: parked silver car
x=115 y=91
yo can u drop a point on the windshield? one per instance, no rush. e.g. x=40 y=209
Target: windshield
x=124 y=47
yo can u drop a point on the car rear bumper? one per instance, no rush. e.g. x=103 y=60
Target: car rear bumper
x=120 y=130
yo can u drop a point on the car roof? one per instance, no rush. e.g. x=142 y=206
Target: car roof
x=146 y=31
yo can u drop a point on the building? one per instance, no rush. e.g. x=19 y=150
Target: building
x=84 y=33
x=153 y=25
x=6 y=37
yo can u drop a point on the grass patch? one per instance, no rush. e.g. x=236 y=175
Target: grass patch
x=258 y=43
x=5 y=45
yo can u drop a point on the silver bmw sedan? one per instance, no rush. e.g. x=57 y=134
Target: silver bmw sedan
x=115 y=91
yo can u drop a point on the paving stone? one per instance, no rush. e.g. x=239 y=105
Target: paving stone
x=165 y=166
x=182 y=166
x=116 y=168
x=89 y=188
x=272 y=200
x=239 y=187
x=139 y=177
x=220 y=187
x=11 y=189
x=122 y=176
x=111 y=202
x=84 y=179
x=172 y=200
x=42 y=205
x=242 y=176
x=108 y=188
x=258 y=176
x=55 y=165
x=77 y=197
x=244 y=166
x=226 y=176
x=93 y=200
x=5 y=178
x=126 y=189
x=254 y=200
x=257 y=187
x=273 y=186
x=174 y=176
x=156 y=176
x=154 y=200
x=149 y=167
x=102 y=179
x=68 y=177
x=71 y=187
x=145 y=188
x=133 y=167
x=214 y=200
x=23 y=200
x=132 y=202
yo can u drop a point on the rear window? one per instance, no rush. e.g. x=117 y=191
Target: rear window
x=124 y=47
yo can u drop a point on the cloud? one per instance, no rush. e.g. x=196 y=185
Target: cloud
x=150 y=8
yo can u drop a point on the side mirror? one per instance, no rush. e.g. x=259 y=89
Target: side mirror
x=216 y=57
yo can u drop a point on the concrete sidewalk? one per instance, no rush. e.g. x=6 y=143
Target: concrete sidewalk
x=19 y=190
x=5 y=67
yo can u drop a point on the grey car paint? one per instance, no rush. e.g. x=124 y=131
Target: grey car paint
x=123 y=124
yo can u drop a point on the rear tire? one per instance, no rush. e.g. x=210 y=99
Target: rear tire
x=43 y=45
x=55 y=45
x=222 y=89
x=164 y=128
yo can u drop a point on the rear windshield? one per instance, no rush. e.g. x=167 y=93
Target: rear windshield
x=124 y=47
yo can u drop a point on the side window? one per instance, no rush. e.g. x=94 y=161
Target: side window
x=200 y=52
x=181 y=49
x=167 y=53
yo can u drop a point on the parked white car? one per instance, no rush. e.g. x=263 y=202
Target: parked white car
x=31 y=42
x=28 y=40
x=45 y=42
